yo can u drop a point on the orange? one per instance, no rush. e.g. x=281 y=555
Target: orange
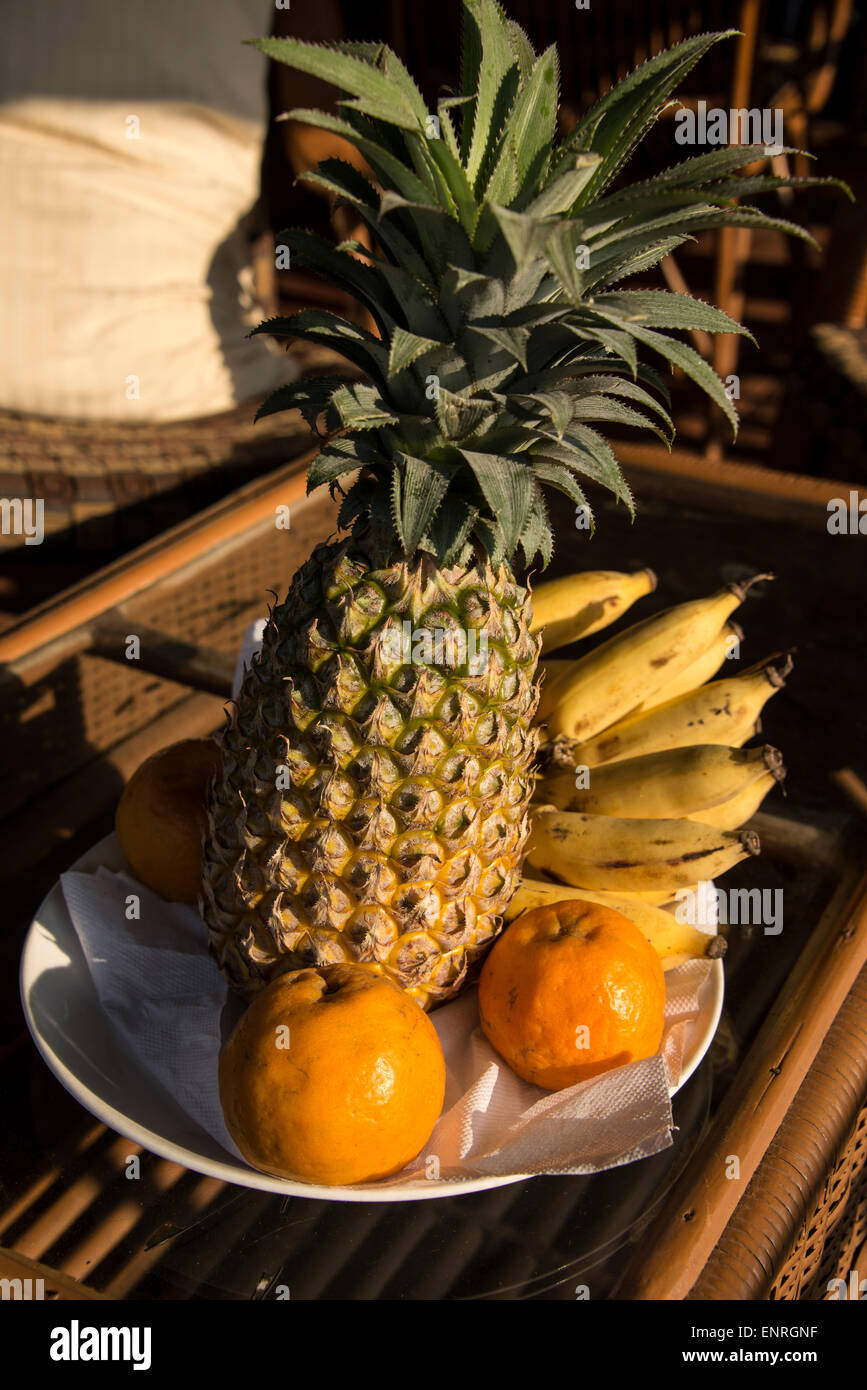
x=332 y=1076
x=162 y=815
x=570 y=990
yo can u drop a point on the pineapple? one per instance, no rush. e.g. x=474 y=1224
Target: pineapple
x=373 y=800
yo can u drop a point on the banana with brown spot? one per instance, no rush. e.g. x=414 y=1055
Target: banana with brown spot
x=614 y=853
x=608 y=683
x=724 y=711
x=727 y=641
x=577 y=605
x=706 y=665
x=663 y=785
x=736 y=812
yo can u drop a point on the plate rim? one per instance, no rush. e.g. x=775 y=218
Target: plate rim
x=230 y=1170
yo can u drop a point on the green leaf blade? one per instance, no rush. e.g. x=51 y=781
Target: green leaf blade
x=506 y=484
x=423 y=487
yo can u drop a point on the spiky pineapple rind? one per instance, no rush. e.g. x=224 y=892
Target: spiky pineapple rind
x=372 y=807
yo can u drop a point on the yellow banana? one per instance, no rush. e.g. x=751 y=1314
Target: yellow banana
x=700 y=670
x=661 y=897
x=656 y=897
x=608 y=683
x=553 y=671
x=724 y=711
x=672 y=940
x=554 y=667
x=664 y=785
x=736 y=812
x=578 y=604
x=612 y=853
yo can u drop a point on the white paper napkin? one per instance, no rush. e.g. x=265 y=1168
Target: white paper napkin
x=172 y=1010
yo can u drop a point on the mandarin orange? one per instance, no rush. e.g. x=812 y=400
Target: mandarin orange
x=569 y=990
x=334 y=1075
x=162 y=815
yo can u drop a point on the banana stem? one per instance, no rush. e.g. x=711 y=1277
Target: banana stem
x=740 y=588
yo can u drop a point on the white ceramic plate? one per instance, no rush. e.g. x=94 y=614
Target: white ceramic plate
x=76 y=1040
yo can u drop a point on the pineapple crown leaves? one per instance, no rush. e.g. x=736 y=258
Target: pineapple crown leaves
x=504 y=332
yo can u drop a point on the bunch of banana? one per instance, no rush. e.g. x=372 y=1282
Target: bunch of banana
x=656 y=785
x=724 y=711
x=631 y=668
x=692 y=780
x=706 y=664
x=619 y=852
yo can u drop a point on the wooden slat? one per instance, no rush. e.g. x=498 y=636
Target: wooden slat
x=757 y=1241
x=678 y=1244
x=31 y=834
x=57 y=1287
x=204 y=1193
x=826 y=35
x=854 y=788
x=792 y=841
x=192 y=541
x=746 y=488
x=68 y=1151
x=188 y=663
